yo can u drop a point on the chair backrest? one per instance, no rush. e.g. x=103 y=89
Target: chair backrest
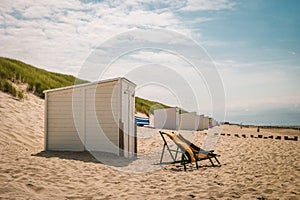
x=192 y=146
x=184 y=147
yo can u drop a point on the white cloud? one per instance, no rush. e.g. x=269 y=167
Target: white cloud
x=59 y=34
x=161 y=57
x=62 y=33
x=201 y=5
x=292 y=52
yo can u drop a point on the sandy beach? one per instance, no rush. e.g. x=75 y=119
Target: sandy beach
x=252 y=168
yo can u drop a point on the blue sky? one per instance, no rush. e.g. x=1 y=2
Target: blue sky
x=255 y=45
x=270 y=27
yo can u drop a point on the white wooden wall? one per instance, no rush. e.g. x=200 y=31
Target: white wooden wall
x=87 y=118
x=188 y=121
x=128 y=109
x=201 y=122
x=102 y=117
x=205 y=123
x=61 y=127
x=166 y=118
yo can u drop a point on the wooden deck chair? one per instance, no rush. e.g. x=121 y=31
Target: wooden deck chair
x=190 y=152
x=187 y=155
x=201 y=154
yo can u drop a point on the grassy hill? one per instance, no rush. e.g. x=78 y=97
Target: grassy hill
x=146 y=106
x=14 y=73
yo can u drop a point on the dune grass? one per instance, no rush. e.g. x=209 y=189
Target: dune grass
x=7 y=86
x=38 y=80
x=147 y=106
x=14 y=72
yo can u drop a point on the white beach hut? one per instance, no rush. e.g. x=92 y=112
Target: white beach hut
x=189 y=121
x=167 y=118
x=95 y=116
x=205 y=122
x=201 y=122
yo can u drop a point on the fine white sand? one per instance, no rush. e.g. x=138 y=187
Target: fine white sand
x=252 y=168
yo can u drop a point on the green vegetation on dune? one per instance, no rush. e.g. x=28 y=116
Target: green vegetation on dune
x=146 y=106
x=38 y=80
x=7 y=86
x=14 y=72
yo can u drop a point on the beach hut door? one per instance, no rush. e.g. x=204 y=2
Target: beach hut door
x=127 y=119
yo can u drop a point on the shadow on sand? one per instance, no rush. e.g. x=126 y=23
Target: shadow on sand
x=85 y=156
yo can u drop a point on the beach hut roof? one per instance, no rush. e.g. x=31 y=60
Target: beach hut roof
x=88 y=84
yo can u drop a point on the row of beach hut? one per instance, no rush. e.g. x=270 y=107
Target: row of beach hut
x=170 y=118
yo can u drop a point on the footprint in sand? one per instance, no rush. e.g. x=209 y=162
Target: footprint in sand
x=35 y=188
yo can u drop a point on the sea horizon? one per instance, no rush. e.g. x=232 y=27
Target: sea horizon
x=288 y=119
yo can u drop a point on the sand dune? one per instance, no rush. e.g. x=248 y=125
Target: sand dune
x=251 y=168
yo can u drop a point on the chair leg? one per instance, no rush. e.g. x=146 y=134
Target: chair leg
x=184 y=161
x=197 y=166
x=218 y=161
x=162 y=153
x=211 y=162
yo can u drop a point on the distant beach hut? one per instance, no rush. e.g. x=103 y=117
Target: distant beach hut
x=167 y=118
x=201 y=122
x=95 y=116
x=205 y=123
x=189 y=121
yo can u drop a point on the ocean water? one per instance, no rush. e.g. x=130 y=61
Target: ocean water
x=272 y=117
